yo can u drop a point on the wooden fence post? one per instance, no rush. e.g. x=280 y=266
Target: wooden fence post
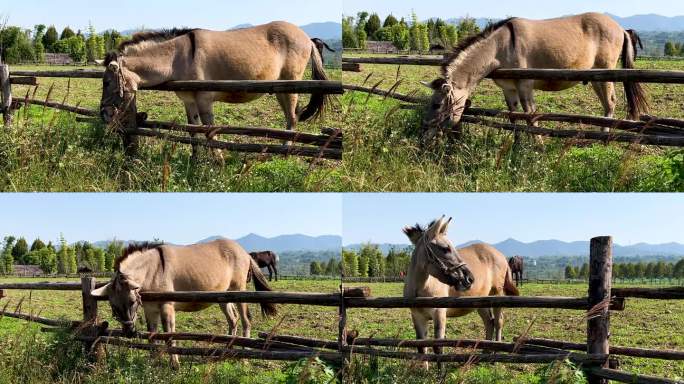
x=6 y=94
x=90 y=328
x=598 y=324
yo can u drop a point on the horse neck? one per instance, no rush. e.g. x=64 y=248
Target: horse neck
x=477 y=61
x=417 y=275
x=153 y=62
x=141 y=267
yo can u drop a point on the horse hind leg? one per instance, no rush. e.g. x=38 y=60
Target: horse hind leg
x=243 y=310
x=205 y=105
x=526 y=91
x=193 y=117
x=606 y=93
x=228 y=310
x=497 y=323
x=513 y=103
x=288 y=102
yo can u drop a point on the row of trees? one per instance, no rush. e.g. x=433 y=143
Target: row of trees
x=370 y=262
x=63 y=259
x=674 y=49
x=26 y=45
x=652 y=270
x=321 y=268
x=413 y=35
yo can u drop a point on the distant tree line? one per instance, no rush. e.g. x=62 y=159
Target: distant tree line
x=61 y=259
x=413 y=35
x=321 y=268
x=30 y=45
x=640 y=270
x=369 y=261
x=674 y=49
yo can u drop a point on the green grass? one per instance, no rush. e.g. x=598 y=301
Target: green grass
x=644 y=323
x=382 y=151
x=47 y=150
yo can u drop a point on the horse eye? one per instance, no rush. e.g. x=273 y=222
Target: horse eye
x=106 y=83
x=436 y=106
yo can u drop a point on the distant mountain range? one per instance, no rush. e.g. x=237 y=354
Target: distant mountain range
x=650 y=22
x=327 y=30
x=559 y=248
x=284 y=243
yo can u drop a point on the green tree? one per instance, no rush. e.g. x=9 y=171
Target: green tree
x=315 y=268
x=20 y=250
x=62 y=257
x=670 y=49
x=570 y=272
x=650 y=270
x=6 y=259
x=639 y=270
x=95 y=47
x=348 y=35
x=50 y=38
x=76 y=48
x=584 y=271
x=67 y=33
x=113 y=250
x=350 y=263
x=678 y=271
x=331 y=267
x=400 y=36
x=467 y=27
x=37 y=245
x=38 y=47
x=390 y=21
x=372 y=26
x=363 y=265
x=46 y=259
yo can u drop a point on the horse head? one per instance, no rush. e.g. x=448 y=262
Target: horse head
x=124 y=298
x=439 y=256
x=445 y=108
x=118 y=88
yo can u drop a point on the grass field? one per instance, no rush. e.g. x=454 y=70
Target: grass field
x=382 y=151
x=644 y=323
x=49 y=151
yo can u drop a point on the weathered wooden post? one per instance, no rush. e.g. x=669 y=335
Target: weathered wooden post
x=598 y=324
x=6 y=94
x=342 y=331
x=89 y=328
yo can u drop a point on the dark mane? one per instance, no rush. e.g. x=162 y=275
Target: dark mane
x=133 y=248
x=159 y=36
x=473 y=39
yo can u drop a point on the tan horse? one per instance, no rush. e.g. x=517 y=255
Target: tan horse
x=274 y=51
x=586 y=41
x=219 y=265
x=438 y=269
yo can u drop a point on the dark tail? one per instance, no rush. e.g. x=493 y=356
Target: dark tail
x=509 y=285
x=260 y=283
x=319 y=101
x=637 y=99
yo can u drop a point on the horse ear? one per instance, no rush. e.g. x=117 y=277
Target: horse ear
x=413 y=233
x=445 y=226
x=436 y=228
x=102 y=291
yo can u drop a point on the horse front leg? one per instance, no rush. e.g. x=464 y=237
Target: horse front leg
x=243 y=310
x=270 y=272
x=420 y=324
x=526 y=92
x=193 y=116
x=168 y=317
x=498 y=323
x=488 y=319
x=206 y=112
x=439 y=318
x=512 y=102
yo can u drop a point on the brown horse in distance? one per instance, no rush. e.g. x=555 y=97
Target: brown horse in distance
x=516 y=264
x=267 y=259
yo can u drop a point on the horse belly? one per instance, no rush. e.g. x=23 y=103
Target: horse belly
x=191 y=307
x=554 y=86
x=237 y=97
x=458 y=312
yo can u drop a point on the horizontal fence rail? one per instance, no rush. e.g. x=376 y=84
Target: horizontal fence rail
x=601 y=75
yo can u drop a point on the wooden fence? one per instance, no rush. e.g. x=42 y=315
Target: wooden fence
x=596 y=356
x=328 y=144
x=649 y=131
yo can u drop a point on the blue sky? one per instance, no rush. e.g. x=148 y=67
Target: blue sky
x=128 y=14
x=177 y=218
x=629 y=218
x=535 y=9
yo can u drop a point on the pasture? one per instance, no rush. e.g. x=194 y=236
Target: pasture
x=644 y=323
x=48 y=150
x=382 y=151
